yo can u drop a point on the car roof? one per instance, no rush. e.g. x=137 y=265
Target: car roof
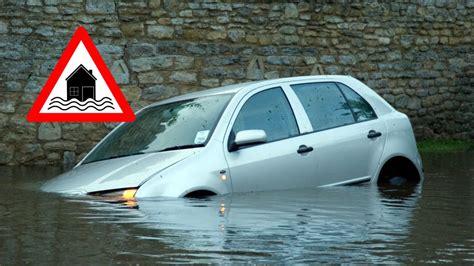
x=234 y=88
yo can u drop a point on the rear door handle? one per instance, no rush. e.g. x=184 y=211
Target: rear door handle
x=374 y=134
x=304 y=149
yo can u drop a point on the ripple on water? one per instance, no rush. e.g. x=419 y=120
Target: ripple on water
x=365 y=224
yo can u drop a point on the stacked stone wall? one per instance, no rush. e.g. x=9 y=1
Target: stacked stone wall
x=419 y=55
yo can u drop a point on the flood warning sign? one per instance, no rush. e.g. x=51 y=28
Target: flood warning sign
x=81 y=88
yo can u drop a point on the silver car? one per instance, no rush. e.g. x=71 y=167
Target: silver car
x=300 y=132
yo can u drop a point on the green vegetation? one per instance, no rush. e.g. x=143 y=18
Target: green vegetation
x=427 y=146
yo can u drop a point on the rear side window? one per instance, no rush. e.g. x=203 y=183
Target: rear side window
x=361 y=108
x=268 y=110
x=324 y=104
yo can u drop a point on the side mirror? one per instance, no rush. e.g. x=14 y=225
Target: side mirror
x=248 y=137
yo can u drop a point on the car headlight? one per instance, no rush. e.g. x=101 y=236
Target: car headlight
x=117 y=194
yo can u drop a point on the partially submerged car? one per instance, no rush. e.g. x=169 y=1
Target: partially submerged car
x=277 y=134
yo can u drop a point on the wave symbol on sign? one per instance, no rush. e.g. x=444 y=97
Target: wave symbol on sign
x=64 y=105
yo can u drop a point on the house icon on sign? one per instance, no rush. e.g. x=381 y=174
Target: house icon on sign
x=81 y=84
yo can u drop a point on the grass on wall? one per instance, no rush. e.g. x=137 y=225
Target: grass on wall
x=439 y=146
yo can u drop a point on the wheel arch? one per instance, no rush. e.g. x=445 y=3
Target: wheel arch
x=399 y=164
x=199 y=192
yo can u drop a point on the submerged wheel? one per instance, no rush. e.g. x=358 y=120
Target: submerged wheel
x=398 y=171
x=200 y=194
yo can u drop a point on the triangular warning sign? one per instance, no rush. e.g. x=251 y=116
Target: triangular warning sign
x=81 y=88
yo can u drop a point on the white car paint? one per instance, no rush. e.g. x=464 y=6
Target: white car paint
x=340 y=155
x=125 y=172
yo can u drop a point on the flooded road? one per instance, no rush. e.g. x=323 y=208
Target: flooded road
x=363 y=224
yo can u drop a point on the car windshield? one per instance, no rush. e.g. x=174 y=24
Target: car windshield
x=178 y=125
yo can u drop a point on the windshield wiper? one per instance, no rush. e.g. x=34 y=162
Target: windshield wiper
x=116 y=156
x=181 y=147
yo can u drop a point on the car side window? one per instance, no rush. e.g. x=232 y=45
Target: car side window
x=268 y=110
x=325 y=105
x=360 y=107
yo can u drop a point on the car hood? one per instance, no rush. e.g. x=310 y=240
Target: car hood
x=118 y=173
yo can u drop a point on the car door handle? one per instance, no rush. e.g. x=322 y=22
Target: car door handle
x=304 y=149
x=374 y=134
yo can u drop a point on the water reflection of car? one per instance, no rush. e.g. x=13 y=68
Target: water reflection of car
x=266 y=135
x=367 y=224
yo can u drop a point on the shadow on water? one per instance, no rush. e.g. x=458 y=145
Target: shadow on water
x=367 y=224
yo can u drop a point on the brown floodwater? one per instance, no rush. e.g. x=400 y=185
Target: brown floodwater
x=433 y=222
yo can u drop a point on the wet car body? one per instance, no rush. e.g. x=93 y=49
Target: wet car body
x=278 y=134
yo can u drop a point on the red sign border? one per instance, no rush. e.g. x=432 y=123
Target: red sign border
x=34 y=114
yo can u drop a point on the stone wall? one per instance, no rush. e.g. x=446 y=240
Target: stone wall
x=419 y=55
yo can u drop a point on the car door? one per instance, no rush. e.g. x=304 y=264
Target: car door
x=276 y=164
x=347 y=137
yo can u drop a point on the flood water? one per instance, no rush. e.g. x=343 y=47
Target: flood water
x=433 y=222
